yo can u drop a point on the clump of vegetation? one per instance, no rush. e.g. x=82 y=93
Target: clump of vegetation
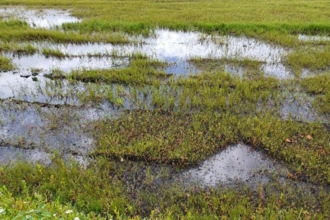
x=183 y=140
x=18 y=48
x=67 y=184
x=250 y=68
x=310 y=58
x=19 y=32
x=106 y=188
x=140 y=71
x=319 y=84
x=5 y=64
x=34 y=206
x=53 y=52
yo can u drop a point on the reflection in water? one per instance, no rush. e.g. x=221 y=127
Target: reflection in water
x=174 y=47
x=238 y=162
x=66 y=64
x=313 y=38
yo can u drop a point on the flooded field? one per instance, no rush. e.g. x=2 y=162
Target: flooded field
x=122 y=121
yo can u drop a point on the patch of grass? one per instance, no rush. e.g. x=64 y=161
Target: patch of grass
x=53 y=52
x=69 y=184
x=240 y=15
x=311 y=58
x=321 y=102
x=13 y=31
x=102 y=26
x=183 y=140
x=34 y=206
x=319 y=84
x=278 y=22
x=140 y=71
x=18 y=48
x=104 y=189
x=178 y=122
x=5 y=64
x=251 y=67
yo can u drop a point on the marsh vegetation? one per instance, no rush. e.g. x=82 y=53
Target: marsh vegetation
x=175 y=110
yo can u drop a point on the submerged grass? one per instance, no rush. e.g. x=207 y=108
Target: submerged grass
x=251 y=67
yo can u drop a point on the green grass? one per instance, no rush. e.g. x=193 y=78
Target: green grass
x=251 y=68
x=13 y=31
x=139 y=72
x=311 y=58
x=183 y=140
x=100 y=188
x=5 y=64
x=34 y=206
x=18 y=49
x=319 y=84
x=278 y=21
x=288 y=14
x=53 y=52
x=68 y=184
x=175 y=123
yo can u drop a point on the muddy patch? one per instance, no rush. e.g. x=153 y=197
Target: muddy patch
x=42 y=18
x=67 y=130
x=10 y=154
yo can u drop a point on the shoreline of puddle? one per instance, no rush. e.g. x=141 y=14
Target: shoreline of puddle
x=235 y=166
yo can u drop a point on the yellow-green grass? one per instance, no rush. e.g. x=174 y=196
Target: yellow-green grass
x=313 y=58
x=17 y=48
x=189 y=12
x=19 y=31
x=139 y=72
x=241 y=16
x=319 y=84
x=35 y=206
x=101 y=189
x=5 y=64
x=189 y=118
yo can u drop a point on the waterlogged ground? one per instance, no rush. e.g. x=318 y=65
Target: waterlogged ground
x=177 y=48
x=169 y=112
x=42 y=18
